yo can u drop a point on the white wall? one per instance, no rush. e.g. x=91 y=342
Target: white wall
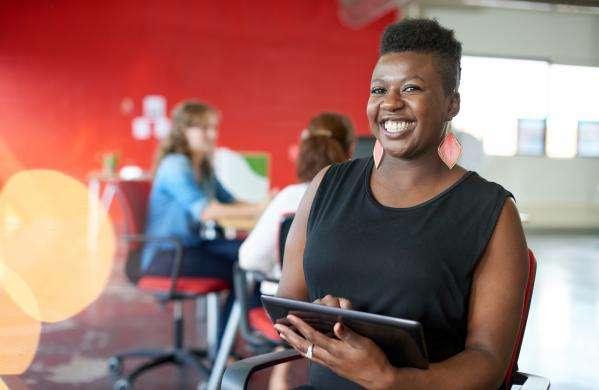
x=554 y=192
x=561 y=38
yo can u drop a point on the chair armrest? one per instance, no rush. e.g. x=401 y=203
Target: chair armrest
x=531 y=382
x=238 y=374
x=143 y=238
x=240 y=281
x=178 y=260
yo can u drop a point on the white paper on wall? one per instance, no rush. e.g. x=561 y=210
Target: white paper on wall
x=154 y=106
x=162 y=126
x=141 y=128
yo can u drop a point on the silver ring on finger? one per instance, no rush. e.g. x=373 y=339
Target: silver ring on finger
x=310 y=351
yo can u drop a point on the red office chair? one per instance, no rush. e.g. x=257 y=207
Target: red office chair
x=240 y=374
x=134 y=196
x=512 y=376
x=255 y=327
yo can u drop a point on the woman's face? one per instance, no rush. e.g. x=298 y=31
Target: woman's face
x=407 y=107
x=203 y=139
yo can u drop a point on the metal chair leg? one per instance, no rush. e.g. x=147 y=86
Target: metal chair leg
x=226 y=346
x=212 y=324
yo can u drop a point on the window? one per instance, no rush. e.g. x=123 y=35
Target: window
x=573 y=98
x=531 y=137
x=529 y=107
x=588 y=138
x=495 y=94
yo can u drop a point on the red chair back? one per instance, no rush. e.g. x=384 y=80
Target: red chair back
x=532 y=273
x=133 y=196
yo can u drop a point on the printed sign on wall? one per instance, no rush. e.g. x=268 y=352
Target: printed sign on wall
x=154 y=121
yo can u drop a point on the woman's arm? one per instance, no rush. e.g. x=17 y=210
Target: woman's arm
x=175 y=176
x=293 y=282
x=496 y=301
x=226 y=206
x=217 y=210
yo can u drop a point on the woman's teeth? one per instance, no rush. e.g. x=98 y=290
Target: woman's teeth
x=396 y=126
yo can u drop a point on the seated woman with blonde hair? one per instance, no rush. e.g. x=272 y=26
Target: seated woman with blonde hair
x=185 y=194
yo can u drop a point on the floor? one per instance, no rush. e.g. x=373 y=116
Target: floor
x=73 y=354
x=562 y=336
x=561 y=340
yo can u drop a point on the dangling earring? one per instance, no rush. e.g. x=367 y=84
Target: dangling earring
x=450 y=149
x=377 y=153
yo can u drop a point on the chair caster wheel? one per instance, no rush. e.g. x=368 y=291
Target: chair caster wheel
x=122 y=384
x=115 y=366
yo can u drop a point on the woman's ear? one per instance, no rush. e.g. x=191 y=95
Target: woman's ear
x=454 y=106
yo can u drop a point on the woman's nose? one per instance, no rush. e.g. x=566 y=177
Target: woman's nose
x=392 y=102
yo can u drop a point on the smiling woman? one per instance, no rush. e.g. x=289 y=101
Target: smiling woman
x=406 y=234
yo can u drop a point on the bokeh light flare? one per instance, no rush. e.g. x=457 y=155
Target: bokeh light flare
x=57 y=239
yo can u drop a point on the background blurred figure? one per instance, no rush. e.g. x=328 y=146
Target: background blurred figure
x=338 y=126
x=329 y=139
x=185 y=194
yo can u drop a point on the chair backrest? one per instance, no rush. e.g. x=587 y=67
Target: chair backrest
x=133 y=196
x=240 y=282
x=530 y=283
x=284 y=227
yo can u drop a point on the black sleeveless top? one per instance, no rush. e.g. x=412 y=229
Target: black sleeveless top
x=415 y=263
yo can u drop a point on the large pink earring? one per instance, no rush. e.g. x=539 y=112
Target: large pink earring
x=377 y=153
x=450 y=149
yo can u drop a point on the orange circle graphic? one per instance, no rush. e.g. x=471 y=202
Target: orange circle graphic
x=58 y=240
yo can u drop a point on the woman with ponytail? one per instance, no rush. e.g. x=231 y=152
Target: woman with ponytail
x=329 y=139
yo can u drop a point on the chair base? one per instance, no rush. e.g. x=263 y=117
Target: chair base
x=194 y=358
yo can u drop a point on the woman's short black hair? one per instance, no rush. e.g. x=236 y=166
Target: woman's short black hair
x=428 y=36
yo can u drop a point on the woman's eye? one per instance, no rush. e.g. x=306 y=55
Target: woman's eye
x=412 y=88
x=377 y=91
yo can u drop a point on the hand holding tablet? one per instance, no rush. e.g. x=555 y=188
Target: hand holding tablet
x=401 y=340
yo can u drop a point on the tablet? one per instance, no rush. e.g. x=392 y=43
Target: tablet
x=401 y=340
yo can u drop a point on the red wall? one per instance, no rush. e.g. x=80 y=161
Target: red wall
x=66 y=66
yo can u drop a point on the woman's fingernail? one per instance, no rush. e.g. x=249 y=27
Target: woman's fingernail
x=278 y=327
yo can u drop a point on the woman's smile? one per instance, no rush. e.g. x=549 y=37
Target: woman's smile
x=397 y=128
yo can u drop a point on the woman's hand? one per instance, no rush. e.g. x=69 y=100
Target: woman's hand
x=331 y=301
x=349 y=355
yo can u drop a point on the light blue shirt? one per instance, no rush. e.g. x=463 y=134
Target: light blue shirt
x=177 y=201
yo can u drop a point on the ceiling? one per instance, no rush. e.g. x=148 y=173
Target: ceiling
x=578 y=6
